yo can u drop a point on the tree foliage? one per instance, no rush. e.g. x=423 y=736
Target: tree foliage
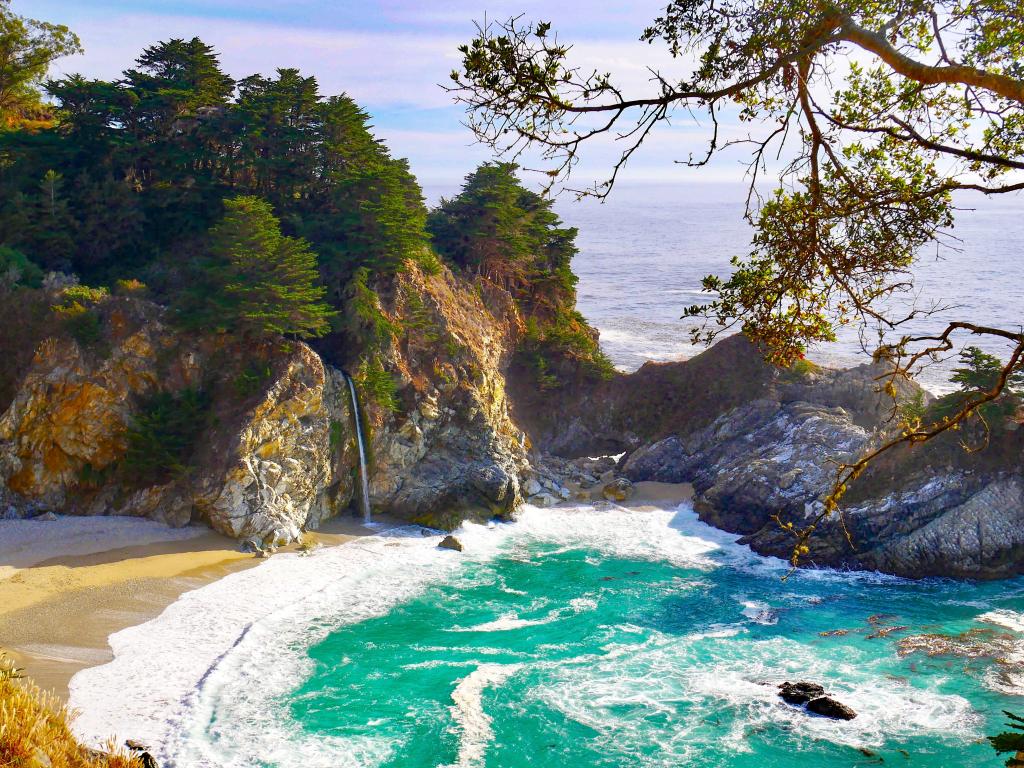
x=1010 y=741
x=257 y=281
x=878 y=110
x=980 y=372
x=133 y=172
x=163 y=437
x=510 y=236
x=27 y=48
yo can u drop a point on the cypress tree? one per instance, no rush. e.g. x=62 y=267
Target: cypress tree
x=256 y=280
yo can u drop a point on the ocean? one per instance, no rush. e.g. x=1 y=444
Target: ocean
x=644 y=251
x=577 y=636
x=588 y=636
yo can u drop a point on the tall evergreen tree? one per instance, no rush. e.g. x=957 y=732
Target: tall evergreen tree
x=256 y=280
x=175 y=78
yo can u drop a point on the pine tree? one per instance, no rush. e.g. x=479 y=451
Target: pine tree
x=256 y=280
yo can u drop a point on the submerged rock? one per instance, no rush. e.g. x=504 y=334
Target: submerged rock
x=450 y=542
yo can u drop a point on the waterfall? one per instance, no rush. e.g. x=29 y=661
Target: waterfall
x=363 y=477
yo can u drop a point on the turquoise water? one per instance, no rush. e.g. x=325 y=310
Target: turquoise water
x=591 y=638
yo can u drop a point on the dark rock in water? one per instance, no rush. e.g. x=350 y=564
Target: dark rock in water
x=450 y=542
x=618 y=489
x=813 y=697
x=800 y=693
x=826 y=706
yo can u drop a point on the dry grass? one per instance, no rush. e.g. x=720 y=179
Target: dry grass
x=34 y=730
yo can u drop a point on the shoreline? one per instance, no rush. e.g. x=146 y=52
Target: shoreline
x=57 y=615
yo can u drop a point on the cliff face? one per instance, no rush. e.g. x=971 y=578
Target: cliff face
x=264 y=468
x=932 y=510
x=277 y=451
x=450 y=449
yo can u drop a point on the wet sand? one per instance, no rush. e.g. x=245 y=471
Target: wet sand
x=56 y=616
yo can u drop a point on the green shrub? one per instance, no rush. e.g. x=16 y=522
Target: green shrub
x=163 y=437
x=250 y=379
x=130 y=287
x=979 y=373
x=17 y=269
x=378 y=384
x=82 y=324
x=914 y=410
x=367 y=320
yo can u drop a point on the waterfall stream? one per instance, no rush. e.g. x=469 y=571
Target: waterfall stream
x=363 y=476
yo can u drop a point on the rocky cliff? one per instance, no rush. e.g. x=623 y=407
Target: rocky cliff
x=276 y=451
x=448 y=448
x=932 y=510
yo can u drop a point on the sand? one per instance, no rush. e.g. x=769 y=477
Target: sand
x=56 y=615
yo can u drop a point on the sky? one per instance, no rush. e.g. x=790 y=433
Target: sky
x=391 y=56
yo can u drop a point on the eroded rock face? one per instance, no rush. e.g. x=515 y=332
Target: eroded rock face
x=282 y=472
x=758 y=460
x=268 y=466
x=283 y=458
x=934 y=511
x=451 y=451
x=71 y=412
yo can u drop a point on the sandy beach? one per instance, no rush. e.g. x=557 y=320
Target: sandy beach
x=56 y=614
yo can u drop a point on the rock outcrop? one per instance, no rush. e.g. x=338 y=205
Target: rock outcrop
x=935 y=511
x=278 y=454
x=449 y=450
x=266 y=467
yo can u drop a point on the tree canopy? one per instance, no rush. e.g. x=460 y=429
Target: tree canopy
x=27 y=48
x=879 y=111
x=255 y=280
x=509 y=235
x=132 y=171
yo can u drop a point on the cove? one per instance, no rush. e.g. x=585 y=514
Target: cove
x=608 y=637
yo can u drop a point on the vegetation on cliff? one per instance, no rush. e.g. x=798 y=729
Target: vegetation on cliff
x=501 y=231
x=259 y=206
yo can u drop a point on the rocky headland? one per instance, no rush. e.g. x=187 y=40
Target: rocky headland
x=465 y=432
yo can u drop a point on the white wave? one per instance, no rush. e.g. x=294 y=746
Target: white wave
x=649 y=535
x=472 y=723
x=1004 y=618
x=694 y=680
x=209 y=680
x=512 y=620
x=238 y=643
x=760 y=613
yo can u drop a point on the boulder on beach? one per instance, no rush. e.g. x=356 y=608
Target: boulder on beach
x=619 y=489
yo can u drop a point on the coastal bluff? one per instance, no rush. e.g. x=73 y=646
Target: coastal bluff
x=465 y=433
x=274 y=441
x=762 y=446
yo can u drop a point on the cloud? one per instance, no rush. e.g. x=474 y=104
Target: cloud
x=394 y=72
